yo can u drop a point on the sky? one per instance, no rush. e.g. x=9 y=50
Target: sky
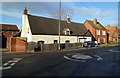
x=105 y=12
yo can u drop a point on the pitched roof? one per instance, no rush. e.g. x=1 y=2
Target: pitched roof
x=111 y=28
x=49 y=26
x=96 y=26
x=8 y=27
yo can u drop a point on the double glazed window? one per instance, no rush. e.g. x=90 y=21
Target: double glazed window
x=103 y=33
x=97 y=32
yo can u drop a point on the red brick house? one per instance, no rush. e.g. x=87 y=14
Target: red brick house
x=98 y=32
x=7 y=30
x=113 y=32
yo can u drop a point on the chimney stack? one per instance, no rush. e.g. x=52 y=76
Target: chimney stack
x=25 y=11
x=95 y=20
x=68 y=19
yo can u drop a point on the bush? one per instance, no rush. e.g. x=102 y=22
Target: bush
x=102 y=45
x=114 y=42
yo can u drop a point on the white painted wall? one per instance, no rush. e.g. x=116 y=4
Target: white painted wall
x=49 y=39
x=26 y=31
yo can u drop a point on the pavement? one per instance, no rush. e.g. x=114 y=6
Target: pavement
x=100 y=61
x=62 y=50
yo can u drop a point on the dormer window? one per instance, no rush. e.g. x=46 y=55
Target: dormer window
x=66 y=31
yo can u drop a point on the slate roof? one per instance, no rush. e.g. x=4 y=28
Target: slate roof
x=96 y=26
x=49 y=26
x=8 y=27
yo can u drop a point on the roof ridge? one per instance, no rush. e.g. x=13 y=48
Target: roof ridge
x=53 y=19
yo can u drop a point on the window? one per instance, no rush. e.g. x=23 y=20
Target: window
x=67 y=41
x=103 y=33
x=55 y=41
x=66 y=31
x=82 y=40
x=28 y=30
x=97 y=32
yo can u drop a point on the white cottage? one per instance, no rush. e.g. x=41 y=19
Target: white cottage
x=37 y=29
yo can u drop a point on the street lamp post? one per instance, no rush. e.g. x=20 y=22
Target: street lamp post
x=59 y=23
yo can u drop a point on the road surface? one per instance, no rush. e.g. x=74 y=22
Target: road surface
x=103 y=61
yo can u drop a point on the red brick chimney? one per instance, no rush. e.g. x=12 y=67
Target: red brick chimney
x=25 y=11
x=95 y=21
x=68 y=19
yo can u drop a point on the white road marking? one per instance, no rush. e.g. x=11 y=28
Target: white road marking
x=113 y=51
x=99 y=58
x=5 y=68
x=5 y=64
x=81 y=56
x=13 y=62
x=67 y=57
x=17 y=59
x=73 y=59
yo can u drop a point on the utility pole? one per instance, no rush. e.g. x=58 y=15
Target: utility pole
x=59 y=23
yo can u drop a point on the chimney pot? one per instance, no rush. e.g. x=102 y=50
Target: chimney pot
x=95 y=20
x=25 y=11
x=68 y=19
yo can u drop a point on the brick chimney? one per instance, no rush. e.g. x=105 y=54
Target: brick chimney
x=95 y=21
x=68 y=19
x=25 y=11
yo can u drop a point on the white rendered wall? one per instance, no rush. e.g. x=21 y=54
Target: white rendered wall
x=49 y=39
x=26 y=31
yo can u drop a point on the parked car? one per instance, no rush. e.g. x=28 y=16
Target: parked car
x=89 y=44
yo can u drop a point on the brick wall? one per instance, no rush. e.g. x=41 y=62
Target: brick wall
x=95 y=36
x=16 y=44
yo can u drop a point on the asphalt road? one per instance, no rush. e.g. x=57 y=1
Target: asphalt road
x=88 y=62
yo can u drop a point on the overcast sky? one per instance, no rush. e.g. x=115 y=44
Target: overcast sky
x=105 y=12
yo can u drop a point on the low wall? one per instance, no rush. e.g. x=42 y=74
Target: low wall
x=48 y=47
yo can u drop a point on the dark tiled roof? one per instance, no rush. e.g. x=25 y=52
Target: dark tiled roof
x=49 y=26
x=8 y=27
x=96 y=26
